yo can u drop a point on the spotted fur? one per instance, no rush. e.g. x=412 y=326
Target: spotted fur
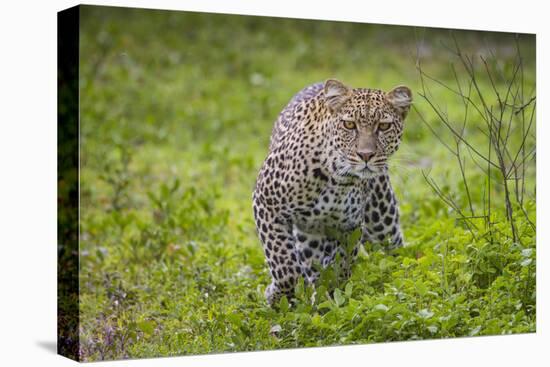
x=326 y=173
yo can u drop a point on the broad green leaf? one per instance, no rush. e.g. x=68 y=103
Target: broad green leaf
x=381 y=307
x=526 y=262
x=147 y=326
x=475 y=331
x=432 y=329
x=339 y=297
x=425 y=313
x=283 y=304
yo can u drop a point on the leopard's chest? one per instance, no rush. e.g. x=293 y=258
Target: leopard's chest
x=332 y=207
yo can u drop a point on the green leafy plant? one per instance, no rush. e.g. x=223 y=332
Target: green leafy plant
x=170 y=261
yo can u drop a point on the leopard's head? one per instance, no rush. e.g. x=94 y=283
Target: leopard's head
x=364 y=127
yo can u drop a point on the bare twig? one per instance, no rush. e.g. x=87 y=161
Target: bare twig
x=498 y=108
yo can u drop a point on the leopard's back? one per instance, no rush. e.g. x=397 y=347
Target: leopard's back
x=285 y=121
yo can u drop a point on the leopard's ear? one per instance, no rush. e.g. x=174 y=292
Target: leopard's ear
x=336 y=94
x=400 y=98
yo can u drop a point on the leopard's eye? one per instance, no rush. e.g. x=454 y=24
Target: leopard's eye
x=350 y=125
x=383 y=126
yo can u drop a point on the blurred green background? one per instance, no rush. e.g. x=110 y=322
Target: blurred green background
x=176 y=114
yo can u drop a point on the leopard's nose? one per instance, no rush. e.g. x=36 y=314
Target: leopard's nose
x=365 y=155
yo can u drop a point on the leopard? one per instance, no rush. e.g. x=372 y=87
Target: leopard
x=325 y=176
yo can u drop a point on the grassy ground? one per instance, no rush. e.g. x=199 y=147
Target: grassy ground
x=176 y=113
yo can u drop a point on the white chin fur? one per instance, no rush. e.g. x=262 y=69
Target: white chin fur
x=368 y=173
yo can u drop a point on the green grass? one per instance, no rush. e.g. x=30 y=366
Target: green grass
x=176 y=114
